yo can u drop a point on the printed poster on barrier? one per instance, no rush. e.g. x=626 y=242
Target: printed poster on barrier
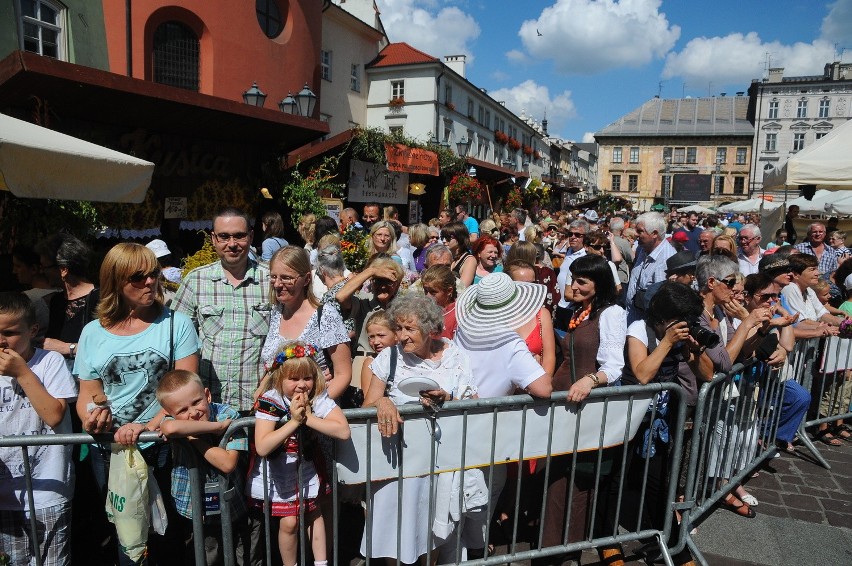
x=372 y=182
x=469 y=445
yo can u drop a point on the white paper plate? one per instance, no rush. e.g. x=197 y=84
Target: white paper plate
x=412 y=386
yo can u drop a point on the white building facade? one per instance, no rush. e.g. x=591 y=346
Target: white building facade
x=431 y=100
x=790 y=113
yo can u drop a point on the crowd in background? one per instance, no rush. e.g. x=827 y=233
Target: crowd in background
x=562 y=301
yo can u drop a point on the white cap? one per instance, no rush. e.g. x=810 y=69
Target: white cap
x=848 y=282
x=591 y=216
x=159 y=248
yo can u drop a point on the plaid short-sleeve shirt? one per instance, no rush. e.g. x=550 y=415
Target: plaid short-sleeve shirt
x=232 y=323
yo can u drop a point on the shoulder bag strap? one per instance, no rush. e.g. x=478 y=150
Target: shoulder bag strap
x=389 y=383
x=171 y=339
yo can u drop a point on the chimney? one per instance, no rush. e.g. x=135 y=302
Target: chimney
x=776 y=74
x=544 y=126
x=456 y=63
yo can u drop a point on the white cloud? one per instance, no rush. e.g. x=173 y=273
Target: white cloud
x=589 y=36
x=837 y=25
x=738 y=58
x=430 y=28
x=534 y=100
x=500 y=76
x=516 y=56
x=589 y=137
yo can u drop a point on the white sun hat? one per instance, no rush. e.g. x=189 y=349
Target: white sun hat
x=497 y=304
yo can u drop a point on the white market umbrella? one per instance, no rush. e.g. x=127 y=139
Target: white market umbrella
x=37 y=162
x=750 y=205
x=816 y=205
x=697 y=208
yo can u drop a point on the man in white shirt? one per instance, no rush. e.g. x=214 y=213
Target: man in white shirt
x=650 y=265
x=799 y=298
x=750 y=252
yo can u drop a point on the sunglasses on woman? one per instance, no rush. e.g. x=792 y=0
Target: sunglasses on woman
x=140 y=277
x=728 y=282
x=599 y=247
x=762 y=297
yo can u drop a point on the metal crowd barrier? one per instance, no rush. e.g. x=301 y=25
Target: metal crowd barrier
x=824 y=368
x=594 y=438
x=489 y=434
x=734 y=428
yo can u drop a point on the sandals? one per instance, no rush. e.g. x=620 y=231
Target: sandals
x=735 y=505
x=784 y=446
x=749 y=500
x=843 y=432
x=827 y=438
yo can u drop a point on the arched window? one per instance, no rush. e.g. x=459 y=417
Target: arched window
x=176 y=56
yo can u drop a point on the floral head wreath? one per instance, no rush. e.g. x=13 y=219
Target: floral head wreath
x=293 y=351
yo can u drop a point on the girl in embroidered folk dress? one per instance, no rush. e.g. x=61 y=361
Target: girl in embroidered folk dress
x=296 y=399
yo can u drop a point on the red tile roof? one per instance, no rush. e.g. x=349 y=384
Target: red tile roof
x=401 y=54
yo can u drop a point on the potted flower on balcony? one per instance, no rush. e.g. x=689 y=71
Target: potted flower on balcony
x=527 y=150
x=514 y=144
x=500 y=137
x=450 y=105
x=537 y=154
x=397 y=102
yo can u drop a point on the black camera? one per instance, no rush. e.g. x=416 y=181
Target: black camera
x=705 y=338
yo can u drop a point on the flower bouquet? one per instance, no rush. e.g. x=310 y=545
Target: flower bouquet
x=463 y=188
x=845 y=328
x=353 y=246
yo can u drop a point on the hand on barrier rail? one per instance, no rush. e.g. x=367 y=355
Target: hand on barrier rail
x=387 y=417
x=434 y=398
x=129 y=433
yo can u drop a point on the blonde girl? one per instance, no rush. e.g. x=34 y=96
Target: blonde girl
x=380 y=335
x=296 y=399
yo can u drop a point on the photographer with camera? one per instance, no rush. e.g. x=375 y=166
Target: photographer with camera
x=662 y=348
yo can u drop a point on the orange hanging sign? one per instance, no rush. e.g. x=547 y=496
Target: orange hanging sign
x=406 y=159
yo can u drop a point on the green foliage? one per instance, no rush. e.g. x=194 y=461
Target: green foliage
x=304 y=193
x=29 y=220
x=368 y=144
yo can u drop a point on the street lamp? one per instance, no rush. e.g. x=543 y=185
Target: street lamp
x=463 y=146
x=718 y=187
x=471 y=172
x=667 y=183
x=507 y=163
x=254 y=96
x=306 y=100
x=288 y=105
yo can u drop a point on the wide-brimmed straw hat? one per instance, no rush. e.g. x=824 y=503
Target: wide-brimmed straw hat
x=497 y=304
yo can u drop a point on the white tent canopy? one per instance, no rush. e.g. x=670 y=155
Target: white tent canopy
x=828 y=162
x=36 y=162
x=697 y=208
x=816 y=205
x=750 y=205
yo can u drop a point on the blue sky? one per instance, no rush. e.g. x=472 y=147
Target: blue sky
x=596 y=60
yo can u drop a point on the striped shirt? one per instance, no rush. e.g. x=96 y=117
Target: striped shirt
x=232 y=322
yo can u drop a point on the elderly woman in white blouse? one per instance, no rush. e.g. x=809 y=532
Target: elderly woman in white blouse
x=421 y=353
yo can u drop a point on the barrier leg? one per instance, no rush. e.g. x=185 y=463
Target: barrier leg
x=696 y=554
x=808 y=443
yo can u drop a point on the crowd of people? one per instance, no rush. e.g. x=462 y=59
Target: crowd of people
x=523 y=302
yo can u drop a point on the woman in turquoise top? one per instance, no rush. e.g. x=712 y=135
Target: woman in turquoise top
x=488 y=253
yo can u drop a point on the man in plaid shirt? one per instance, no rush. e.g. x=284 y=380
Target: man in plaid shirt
x=815 y=246
x=228 y=301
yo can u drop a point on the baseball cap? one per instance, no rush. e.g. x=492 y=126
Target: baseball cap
x=159 y=248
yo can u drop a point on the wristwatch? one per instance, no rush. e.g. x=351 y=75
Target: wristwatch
x=72 y=350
